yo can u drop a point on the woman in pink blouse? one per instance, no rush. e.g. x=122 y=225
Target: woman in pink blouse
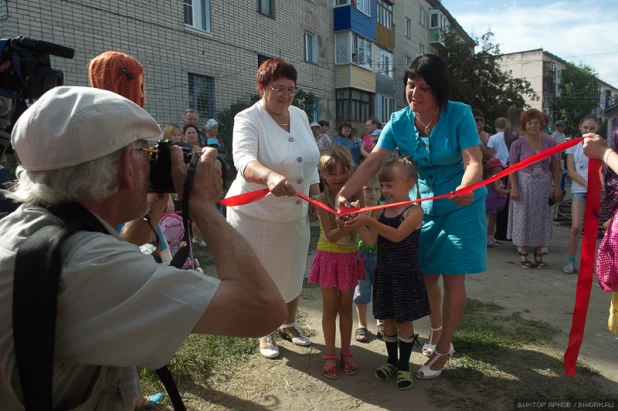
x=530 y=223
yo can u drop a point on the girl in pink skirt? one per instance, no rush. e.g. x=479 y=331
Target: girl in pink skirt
x=336 y=265
x=495 y=200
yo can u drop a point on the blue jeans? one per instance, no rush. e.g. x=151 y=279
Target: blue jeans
x=362 y=292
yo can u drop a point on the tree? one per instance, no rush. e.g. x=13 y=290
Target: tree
x=478 y=80
x=579 y=95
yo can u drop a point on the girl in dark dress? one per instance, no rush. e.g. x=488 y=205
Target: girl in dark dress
x=399 y=293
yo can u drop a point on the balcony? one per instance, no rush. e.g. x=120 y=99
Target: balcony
x=350 y=18
x=437 y=37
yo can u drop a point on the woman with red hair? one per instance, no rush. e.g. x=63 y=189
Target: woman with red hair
x=120 y=73
x=530 y=222
x=274 y=148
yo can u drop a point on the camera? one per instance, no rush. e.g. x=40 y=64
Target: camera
x=161 y=164
x=25 y=74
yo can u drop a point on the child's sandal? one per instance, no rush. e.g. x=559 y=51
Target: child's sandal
x=404 y=380
x=385 y=371
x=330 y=371
x=350 y=367
x=538 y=259
x=523 y=260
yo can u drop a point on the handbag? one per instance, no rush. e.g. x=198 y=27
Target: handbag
x=607 y=258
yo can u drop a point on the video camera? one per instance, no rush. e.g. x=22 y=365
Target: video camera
x=25 y=74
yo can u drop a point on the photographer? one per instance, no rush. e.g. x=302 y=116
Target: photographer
x=117 y=308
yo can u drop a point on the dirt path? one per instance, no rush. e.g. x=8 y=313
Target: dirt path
x=294 y=381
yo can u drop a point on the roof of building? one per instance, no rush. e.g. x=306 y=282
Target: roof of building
x=436 y=4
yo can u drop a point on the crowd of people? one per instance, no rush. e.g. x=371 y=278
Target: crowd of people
x=393 y=257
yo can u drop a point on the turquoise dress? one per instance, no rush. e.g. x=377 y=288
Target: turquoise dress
x=453 y=238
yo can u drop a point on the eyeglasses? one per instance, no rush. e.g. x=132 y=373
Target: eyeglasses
x=281 y=91
x=477 y=119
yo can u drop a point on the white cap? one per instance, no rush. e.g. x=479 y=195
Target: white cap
x=68 y=126
x=210 y=124
x=314 y=124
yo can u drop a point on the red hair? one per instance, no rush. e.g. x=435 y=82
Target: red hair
x=118 y=72
x=532 y=114
x=272 y=70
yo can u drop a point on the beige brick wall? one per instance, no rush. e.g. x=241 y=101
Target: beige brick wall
x=153 y=31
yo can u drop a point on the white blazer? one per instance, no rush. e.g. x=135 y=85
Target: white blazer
x=294 y=155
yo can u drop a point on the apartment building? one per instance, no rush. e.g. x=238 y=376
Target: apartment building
x=544 y=70
x=202 y=54
x=375 y=40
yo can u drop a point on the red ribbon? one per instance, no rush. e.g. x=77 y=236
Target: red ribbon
x=586 y=269
x=252 y=196
x=584 y=282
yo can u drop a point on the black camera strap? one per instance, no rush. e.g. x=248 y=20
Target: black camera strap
x=183 y=253
x=38 y=266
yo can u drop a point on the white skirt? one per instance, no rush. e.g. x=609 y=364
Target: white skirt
x=281 y=248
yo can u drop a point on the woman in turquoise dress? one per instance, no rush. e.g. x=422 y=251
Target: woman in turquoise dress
x=441 y=138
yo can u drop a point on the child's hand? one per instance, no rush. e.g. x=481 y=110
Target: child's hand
x=341 y=220
x=359 y=220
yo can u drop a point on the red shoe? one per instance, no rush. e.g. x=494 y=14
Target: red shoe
x=350 y=367
x=330 y=371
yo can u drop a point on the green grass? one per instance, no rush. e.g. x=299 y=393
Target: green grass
x=202 y=358
x=509 y=357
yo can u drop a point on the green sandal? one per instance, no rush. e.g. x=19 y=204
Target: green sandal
x=384 y=371
x=404 y=380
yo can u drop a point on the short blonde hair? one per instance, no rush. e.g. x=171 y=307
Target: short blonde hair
x=170 y=129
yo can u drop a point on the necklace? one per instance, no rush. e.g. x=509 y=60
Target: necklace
x=427 y=129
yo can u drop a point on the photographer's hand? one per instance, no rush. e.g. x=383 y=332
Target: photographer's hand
x=207 y=183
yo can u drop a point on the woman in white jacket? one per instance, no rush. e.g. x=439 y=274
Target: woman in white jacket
x=273 y=147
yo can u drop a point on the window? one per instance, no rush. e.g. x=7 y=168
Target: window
x=385 y=63
x=388 y=108
x=343 y=47
x=408 y=28
x=362 y=52
x=197 y=14
x=423 y=17
x=408 y=60
x=311 y=48
x=316 y=111
x=265 y=7
x=421 y=49
x=353 y=105
x=202 y=94
x=341 y=3
x=363 y=5
x=262 y=59
x=384 y=14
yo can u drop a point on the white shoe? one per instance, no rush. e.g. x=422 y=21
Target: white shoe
x=570 y=268
x=271 y=351
x=426 y=373
x=300 y=340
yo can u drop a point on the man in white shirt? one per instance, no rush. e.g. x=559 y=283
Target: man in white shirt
x=118 y=308
x=496 y=146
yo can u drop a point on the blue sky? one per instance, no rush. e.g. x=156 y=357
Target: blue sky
x=576 y=31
